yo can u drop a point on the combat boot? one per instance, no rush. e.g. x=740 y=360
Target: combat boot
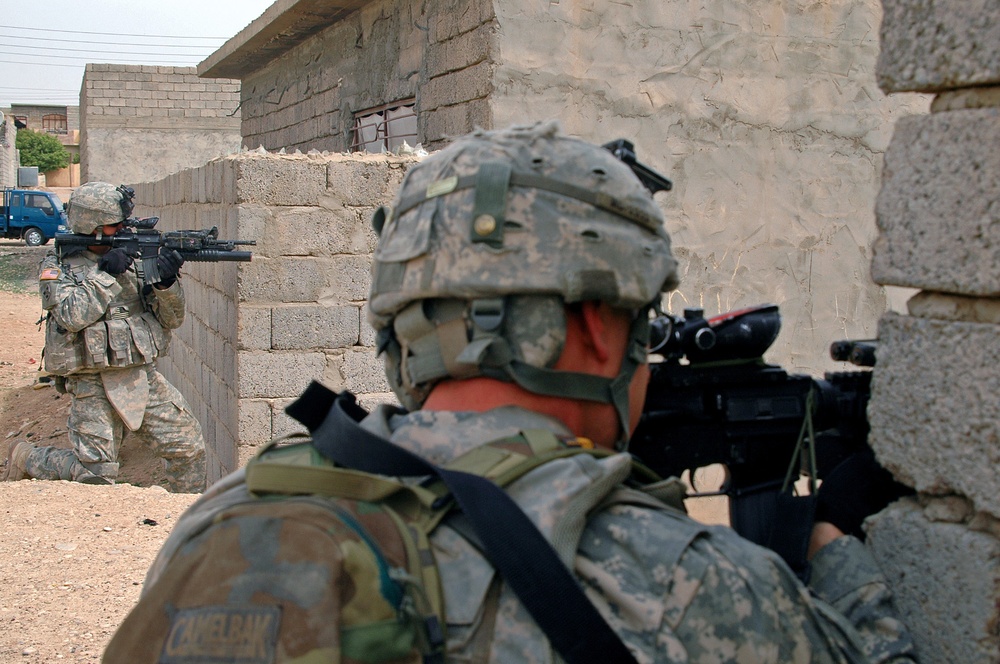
x=17 y=460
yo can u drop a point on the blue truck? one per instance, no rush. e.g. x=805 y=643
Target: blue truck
x=31 y=215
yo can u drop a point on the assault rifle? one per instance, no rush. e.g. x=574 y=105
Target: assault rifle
x=140 y=240
x=713 y=400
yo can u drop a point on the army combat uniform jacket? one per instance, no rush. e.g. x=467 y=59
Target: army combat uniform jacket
x=103 y=335
x=96 y=321
x=674 y=590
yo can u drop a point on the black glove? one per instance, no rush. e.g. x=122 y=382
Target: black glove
x=115 y=261
x=168 y=264
x=854 y=490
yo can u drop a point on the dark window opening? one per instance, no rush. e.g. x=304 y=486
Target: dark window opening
x=54 y=123
x=385 y=128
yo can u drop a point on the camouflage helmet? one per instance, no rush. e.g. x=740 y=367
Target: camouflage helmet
x=93 y=205
x=486 y=242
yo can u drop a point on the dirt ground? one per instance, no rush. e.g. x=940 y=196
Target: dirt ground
x=74 y=556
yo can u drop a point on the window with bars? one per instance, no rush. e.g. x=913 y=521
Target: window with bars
x=384 y=128
x=54 y=122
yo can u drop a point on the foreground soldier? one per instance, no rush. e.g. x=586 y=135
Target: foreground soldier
x=103 y=333
x=511 y=291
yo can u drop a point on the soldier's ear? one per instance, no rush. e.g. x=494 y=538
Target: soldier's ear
x=594 y=328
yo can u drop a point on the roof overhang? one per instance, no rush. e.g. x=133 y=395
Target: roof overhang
x=282 y=26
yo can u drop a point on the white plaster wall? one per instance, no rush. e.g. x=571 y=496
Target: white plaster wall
x=767 y=117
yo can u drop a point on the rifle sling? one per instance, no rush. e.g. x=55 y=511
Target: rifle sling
x=511 y=542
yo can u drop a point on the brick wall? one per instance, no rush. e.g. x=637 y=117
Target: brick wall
x=257 y=333
x=140 y=123
x=935 y=414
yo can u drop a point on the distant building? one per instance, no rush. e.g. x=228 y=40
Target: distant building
x=63 y=122
x=140 y=122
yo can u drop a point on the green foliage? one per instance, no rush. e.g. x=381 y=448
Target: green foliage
x=42 y=150
x=76 y=157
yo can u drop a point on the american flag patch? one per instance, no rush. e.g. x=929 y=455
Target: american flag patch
x=49 y=273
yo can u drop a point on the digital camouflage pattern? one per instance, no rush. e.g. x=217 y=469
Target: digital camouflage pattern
x=441 y=240
x=103 y=335
x=93 y=205
x=524 y=212
x=95 y=320
x=673 y=589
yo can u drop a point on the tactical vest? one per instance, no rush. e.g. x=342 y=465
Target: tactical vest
x=127 y=335
x=313 y=562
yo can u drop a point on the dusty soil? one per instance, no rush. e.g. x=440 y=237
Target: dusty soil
x=74 y=556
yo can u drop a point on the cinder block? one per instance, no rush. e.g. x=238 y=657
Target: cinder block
x=475 y=82
x=937 y=212
x=280 y=180
x=372 y=401
x=349 y=279
x=934 y=413
x=277 y=375
x=314 y=326
x=267 y=280
x=464 y=50
x=454 y=17
x=944 y=578
x=281 y=423
x=444 y=123
x=313 y=231
x=253 y=329
x=368 y=336
x=365 y=180
x=254 y=422
x=931 y=45
x=954 y=307
x=358 y=370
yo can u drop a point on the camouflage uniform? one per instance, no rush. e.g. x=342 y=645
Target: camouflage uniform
x=103 y=334
x=673 y=589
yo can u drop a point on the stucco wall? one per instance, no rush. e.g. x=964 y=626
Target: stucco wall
x=766 y=116
x=140 y=123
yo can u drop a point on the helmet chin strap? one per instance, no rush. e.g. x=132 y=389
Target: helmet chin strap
x=496 y=360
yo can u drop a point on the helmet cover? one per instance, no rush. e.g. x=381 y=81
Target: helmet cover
x=93 y=205
x=526 y=217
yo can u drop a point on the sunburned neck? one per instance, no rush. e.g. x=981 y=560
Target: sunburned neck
x=597 y=422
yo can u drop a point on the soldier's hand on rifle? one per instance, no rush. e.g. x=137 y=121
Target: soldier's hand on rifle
x=854 y=490
x=168 y=264
x=115 y=261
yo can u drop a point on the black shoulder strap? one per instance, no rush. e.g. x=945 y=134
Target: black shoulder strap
x=512 y=543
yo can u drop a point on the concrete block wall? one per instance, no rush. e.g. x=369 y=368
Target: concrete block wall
x=391 y=50
x=257 y=333
x=934 y=411
x=140 y=123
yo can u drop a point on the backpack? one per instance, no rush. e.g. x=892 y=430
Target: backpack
x=316 y=562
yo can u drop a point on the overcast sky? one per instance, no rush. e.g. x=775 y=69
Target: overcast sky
x=45 y=45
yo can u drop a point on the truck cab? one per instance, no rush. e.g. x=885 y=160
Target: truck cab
x=32 y=215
